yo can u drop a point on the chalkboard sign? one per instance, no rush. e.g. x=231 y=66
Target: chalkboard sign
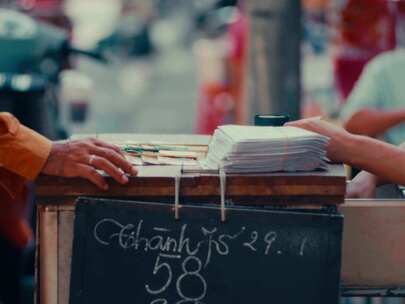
x=138 y=253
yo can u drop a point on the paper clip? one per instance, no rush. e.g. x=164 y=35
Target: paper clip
x=222 y=183
x=177 y=180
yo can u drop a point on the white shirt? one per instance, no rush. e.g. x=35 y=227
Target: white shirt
x=381 y=86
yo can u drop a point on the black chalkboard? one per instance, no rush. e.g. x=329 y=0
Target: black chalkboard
x=134 y=252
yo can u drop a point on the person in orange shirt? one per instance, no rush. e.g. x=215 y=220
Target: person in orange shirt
x=24 y=154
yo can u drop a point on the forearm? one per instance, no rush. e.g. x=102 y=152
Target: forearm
x=373 y=122
x=381 y=159
x=22 y=151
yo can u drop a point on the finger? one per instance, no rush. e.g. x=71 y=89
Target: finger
x=117 y=159
x=298 y=124
x=92 y=175
x=110 y=169
x=304 y=121
x=294 y=123
x=104 y=144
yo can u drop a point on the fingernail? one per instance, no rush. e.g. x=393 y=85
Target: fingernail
x=124 y=178
x=134 y=171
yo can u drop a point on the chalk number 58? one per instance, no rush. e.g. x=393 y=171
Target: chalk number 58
x=160 y=266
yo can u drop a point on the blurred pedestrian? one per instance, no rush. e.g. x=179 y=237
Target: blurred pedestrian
x=376 y=107
x=364 y=29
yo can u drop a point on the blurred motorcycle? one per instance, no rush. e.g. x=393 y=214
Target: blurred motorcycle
x=33 y=56
x=131 y=36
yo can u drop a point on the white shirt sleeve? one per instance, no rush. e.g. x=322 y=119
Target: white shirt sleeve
x=366 y=92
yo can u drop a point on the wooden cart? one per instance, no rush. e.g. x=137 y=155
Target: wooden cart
x=56 y=203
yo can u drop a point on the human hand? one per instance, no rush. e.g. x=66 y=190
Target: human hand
x=81 y=158
x=338 y=137
x=364 y=185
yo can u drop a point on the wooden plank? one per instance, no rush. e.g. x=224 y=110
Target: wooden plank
x=282 y=188
x=65 y=240
x=48 y=248
x=374 y=243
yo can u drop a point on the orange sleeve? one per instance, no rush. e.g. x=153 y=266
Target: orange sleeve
x=22 y=150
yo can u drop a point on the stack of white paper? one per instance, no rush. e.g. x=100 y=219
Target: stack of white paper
x=236 y=148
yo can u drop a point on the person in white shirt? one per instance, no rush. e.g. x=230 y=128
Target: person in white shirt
x=376 y=106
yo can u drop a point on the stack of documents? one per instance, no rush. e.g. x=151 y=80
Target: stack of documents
x=140 y=154
x=265 y=149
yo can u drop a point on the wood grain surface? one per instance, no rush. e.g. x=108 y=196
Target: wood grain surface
x=374 y=243
x=316 y=187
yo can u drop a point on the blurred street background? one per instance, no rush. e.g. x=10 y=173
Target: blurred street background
x=151 y=88
x=187 y=66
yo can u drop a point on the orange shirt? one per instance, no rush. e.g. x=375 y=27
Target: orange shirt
x=23 y=153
